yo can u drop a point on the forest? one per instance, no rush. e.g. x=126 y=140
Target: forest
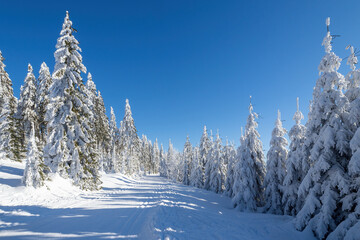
x=59 y=127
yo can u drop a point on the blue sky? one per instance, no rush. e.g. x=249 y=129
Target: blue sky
x=186 y=64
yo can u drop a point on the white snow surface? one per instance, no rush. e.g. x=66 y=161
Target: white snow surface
x=147 y=208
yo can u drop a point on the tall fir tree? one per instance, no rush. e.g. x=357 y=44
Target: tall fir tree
x=26 y=110
x=203 y=154
x=42 y=100
x=196 y=170
x=275 y=169
x=102 y=132
x=217 y=175
x=155 y=158
x=67 y=150
x=349 y=228
x=294 y=171
x=187 y=158
x=114 y=165
x=328 y=139
x=209 y=162
x=92 y=144
x=130 y=143
x=230 y=161
x=34 y=173
x=170 y=161
x=249 y=169
x=11 y=139
x=146 y=154
x=179 y=167
x=162 y=164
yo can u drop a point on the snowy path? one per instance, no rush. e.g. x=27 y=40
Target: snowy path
x=149 y=208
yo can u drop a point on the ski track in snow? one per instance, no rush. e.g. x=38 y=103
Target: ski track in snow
x=148 y=208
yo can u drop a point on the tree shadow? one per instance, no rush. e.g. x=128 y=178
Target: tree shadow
x=12 y=170
x=33 y=222
x=11 y=182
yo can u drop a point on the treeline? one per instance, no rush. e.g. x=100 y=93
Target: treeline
x=59 y=124
x=316 y=178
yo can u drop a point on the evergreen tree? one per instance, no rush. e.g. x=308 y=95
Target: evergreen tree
x=209 y=162
x=179 y=167
x=294 y=173
x=229 y=158
x=156 y=158
x=11 y=139
x=42 y=100
x=26 y=110
x=67 y=150
x=34 y=175
x=249 y=169
x=349 y=227
x=275 y=169
x=326 y=182
x=114 y=164
x=162 y=166
x=217 y=167
x=92 y=144
x=196 y=170
x=171 y=162
x=146 y=154
x=188 y=158
x=130 y=144
x=203 y=154
x=102 y=132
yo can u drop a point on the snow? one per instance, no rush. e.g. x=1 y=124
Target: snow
x=147 y=208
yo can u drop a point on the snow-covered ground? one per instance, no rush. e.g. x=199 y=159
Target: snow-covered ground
x=148 y=208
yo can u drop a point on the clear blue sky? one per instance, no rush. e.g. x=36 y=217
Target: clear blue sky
x=184 y=64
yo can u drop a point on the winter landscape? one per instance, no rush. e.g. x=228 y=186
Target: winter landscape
x=69 y=169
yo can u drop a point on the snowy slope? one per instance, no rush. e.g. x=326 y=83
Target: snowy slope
x=148 y=208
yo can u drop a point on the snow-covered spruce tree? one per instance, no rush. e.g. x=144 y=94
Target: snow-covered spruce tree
x=150 y=149
x=249 y=171
x=170 y=161
x=172 y=164
x=196 y=170
x=146 y=154
x=229 y=159
x=179 y=167
x=294 y=173
x=217 y=167
x=130 y=143
x=11 y=138
x=351 y=202
x=328 y=138
x=114 y=164
x=26 y=110
x=42 y=100
x=187 y=158
x=102 y=132
x=275 y=169
x=155 y=158
x=238 y=186
x=90 y=99
x=163 y=169
x=34 y=175
x=90 y=92
x=67 y=145
x=210 y=159
x=203 y=154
